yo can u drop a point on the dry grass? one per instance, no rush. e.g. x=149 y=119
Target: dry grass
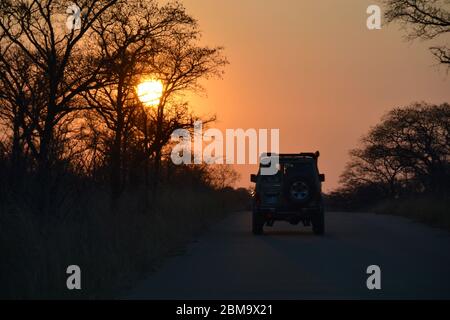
x=431 y=210
x=113 y=250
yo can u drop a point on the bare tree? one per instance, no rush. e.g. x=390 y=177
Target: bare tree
x=181 y=64
x=129 y=36
x=51 y=76
x=426 y=19
x=37 y=30
x=139 y=40
x=21 y=89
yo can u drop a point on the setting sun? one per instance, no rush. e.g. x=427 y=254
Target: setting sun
x=150 y=92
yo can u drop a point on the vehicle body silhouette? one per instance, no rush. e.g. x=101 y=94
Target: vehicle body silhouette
x=293 y=194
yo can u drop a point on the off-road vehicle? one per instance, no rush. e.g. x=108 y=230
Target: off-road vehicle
x=293 y=193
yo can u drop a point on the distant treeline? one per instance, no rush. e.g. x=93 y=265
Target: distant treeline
x=404 y=158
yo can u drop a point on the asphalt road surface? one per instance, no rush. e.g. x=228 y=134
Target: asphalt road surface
x=290 y=262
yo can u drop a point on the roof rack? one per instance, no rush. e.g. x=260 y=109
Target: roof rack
x=314 y=155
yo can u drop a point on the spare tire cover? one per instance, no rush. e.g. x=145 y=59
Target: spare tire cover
x=299 y=190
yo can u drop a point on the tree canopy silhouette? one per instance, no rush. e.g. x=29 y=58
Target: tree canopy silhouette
x=408 y=152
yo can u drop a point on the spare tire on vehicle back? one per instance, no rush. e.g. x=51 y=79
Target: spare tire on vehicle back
x=299 y=190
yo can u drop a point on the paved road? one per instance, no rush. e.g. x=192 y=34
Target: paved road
x=289 y=262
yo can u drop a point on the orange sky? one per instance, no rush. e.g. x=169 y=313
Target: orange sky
x=312 y=69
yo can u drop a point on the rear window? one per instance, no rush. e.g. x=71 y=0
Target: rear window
x=299 y=168
x=284 y=168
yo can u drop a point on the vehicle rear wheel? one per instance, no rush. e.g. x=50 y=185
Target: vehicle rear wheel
x=318 y=223
x=257 y=223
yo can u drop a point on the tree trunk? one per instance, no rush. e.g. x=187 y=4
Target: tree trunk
x=158 y=138
x=116 y=185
